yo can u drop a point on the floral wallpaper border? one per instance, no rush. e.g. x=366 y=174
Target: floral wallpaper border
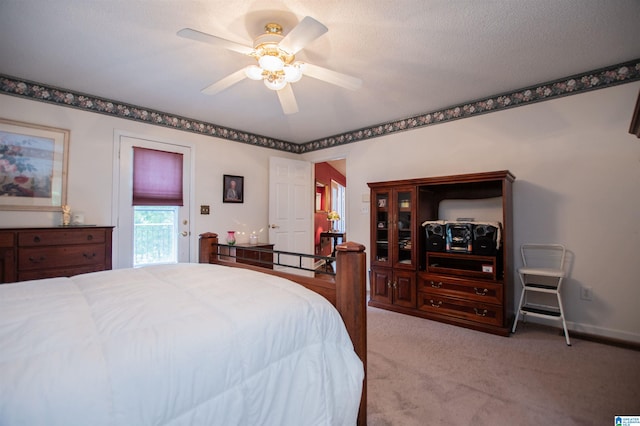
x=598 y=79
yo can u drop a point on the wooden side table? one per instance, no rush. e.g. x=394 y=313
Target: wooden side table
x=251 y=254
x=334 y=239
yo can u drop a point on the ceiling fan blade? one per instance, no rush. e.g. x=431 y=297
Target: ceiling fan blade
x=287 y=100
x=302 y=34
x=226 y=82
x=215 y=41
x=333 y=77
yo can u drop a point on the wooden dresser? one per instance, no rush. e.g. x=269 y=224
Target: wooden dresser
x=33 y=253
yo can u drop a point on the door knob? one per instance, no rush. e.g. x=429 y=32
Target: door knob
x=184 y=233
x=274 y=226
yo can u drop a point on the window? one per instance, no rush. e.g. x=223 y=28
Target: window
x=155 y=234
x=338 y=204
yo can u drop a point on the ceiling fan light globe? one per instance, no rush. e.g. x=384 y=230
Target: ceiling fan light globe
x=292 y=73
x=253 y=72
x=275 y=84
x=271 y=63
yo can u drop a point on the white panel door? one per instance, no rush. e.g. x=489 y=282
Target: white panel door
x=291 y=193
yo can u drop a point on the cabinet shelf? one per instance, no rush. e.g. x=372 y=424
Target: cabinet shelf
x=467 y=265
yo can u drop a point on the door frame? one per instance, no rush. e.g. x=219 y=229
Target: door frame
x=115 y=195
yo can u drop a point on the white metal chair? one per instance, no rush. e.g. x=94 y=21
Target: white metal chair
x=542 y=272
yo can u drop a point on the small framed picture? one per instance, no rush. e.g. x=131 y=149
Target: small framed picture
x=232 y=189
x=382 y=202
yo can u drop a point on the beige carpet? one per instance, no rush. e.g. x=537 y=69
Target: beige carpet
x=422 y=372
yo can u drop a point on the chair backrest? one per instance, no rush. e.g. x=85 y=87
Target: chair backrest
x=548 y=256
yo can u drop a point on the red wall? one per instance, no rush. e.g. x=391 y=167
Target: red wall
x=324 y=173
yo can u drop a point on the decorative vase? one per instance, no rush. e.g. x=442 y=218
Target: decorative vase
x=231 y=237
x=253 y=239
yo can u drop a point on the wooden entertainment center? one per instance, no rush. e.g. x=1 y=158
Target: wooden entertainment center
x=461 y=288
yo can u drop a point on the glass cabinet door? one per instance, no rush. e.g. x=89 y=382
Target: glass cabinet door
x=382 y=222
x=403 y=229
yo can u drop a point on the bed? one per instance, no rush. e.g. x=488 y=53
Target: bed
x=185 y=344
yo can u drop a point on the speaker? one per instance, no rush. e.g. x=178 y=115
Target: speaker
x=485 y=239
x=435 y=236
x=459 y=237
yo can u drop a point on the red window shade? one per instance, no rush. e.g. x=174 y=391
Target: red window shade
x=157 y=178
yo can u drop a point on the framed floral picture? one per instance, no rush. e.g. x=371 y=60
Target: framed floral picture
x=33 y=166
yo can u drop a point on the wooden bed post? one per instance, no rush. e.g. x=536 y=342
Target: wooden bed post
x=207 y=247
x=351 y=294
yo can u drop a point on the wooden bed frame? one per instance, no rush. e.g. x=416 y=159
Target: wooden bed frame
x=347 y=293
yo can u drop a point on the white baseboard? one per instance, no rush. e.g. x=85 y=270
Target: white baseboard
x=589 y=329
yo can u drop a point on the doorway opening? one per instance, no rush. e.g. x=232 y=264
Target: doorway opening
x=331 y=183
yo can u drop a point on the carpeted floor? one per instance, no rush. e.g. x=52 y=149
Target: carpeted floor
x=422 y=372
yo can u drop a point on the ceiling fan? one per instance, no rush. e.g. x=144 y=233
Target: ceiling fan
x=276 y=65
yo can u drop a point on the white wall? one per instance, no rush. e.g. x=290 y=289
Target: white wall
x=91 y=168
x=577 y=177
x=577 y=182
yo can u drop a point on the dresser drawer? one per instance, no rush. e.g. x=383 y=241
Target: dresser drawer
x=482 y=291
x=470 y=310
x=61 y=256
x=61 y=237
x=7 y=239
x=58 y=272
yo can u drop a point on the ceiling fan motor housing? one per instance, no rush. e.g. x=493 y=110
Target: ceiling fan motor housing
x=267 y=44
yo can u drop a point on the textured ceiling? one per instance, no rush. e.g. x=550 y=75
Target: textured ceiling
x=414 y=56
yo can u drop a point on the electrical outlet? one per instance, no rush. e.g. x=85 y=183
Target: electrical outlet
x=586 y=293
x=204 y=209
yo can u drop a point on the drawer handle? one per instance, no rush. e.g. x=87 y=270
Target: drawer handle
x=481 y=293
x=89 y=237
x=89 y=256
x=435 y=304
x=436 y=285
x=36 y=239
x=479 y=313
x=36 y=260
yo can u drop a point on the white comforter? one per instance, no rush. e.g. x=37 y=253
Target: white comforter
x=186 y=344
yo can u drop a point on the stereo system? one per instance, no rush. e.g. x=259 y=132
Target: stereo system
x=481 y=238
